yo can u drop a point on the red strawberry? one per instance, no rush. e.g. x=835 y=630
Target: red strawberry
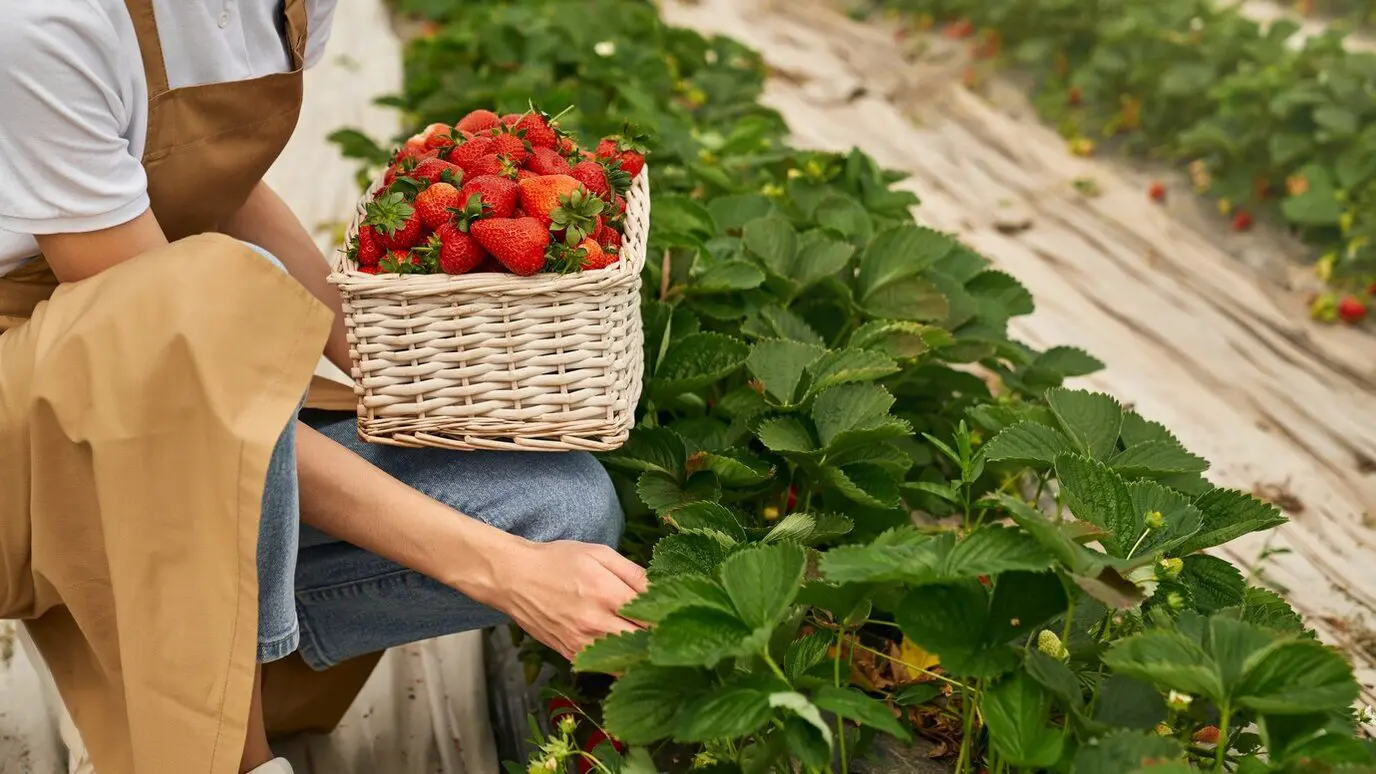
x=510 y=146
x=437 y=136
x=398 y=224
x=1207 y=735
x=541 y=196
x=629 y=154
x=595 y=257
x=367 y=248
x=567 y=147
x=1352 y=310
x=1242 y=220
x=608 y=237
x=402 y=262
x=491 y=164
x=519 y=243
x=538 y=131
x=792 y=501
x=468 y=153
x=479 y=120
x=497 y=194
x=1157 y=192
x=370 y=269
x=437 y=203
x=524 y=174
x=435 y=170
x=511 y=120
x=459 y=253
x=594 y=176
x=562 y=705
x=547 y=161
x=1076 y=96
x=597 y=738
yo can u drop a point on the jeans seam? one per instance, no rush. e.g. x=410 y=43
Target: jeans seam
x=356 y=588
x=313 y=651
x=279 y=648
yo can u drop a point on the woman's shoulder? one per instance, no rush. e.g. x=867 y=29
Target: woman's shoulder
x=95 y=32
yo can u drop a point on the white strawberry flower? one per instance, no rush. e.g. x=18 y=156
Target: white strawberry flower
x=605 y=49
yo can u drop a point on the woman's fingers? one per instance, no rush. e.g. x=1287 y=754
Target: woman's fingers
x=630 y=573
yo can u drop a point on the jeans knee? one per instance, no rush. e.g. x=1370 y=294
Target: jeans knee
x=580 y=502
x=272 y=259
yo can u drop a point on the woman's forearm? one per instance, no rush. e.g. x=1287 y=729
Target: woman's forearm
x=267 y=221
x=345 y=496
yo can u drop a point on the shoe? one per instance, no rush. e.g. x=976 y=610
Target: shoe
x=274 y=766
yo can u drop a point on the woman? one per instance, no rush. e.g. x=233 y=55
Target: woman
x=153 y=353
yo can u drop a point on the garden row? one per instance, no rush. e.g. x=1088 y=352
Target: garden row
x=1265 y=127
x=820 y=369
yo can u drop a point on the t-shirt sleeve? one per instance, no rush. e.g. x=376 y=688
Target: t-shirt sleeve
x=65 y=163
x=319 y=25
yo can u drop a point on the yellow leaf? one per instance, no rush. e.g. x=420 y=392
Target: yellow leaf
x=915 y=659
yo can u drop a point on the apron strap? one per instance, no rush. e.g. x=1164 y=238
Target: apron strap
x=297 y=24
x=150 y=45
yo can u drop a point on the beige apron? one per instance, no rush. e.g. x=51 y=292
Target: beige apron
x=146 y=399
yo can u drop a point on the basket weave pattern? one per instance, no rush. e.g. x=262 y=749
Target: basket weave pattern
x=551 y=362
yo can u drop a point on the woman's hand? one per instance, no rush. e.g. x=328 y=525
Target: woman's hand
x=567 y=594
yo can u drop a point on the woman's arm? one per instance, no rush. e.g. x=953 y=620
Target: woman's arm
x=267 y=221
x=565 y=594
x=78 y=256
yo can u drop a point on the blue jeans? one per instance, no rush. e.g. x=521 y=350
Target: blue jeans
x=334 y=601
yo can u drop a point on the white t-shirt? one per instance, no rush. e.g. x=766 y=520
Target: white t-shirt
x=74 y=100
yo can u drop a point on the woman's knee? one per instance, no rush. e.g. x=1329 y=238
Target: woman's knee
x=573 y=500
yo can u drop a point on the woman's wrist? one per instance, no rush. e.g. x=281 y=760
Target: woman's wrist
x=473 y=558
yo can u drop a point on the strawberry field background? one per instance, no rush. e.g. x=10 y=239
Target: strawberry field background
x=820 y=368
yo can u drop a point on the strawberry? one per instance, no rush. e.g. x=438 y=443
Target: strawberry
x=498 y=195
x=629 y=154
x=1207 y=735
x=370 y=269
x=491 y=164
x=367 y=249
x=1352 y=310
x=398 y=224
x=1157 y=192
x=537 y=130
x=456 y=252
x=594 y=176
x=510 y=146
x=468 y=153
x=519 y=243
x=434 y=170
x=608 y=237
x=547 y=161
x=403 y=262
x=511 y=120
x=541 y=196
x=567 y=147
x=595 y=740
x=961 y=28
x=437 y=136
x=1242 y=220
x=564 y=205
x=479 y=120
x=524 y=174
x=437 y=204
x=792 y=502
x=594 y=256
x=1076 y=96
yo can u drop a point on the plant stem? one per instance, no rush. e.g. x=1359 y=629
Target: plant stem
x=1225 y=714
x=773 y=665
x=1138 y=544
x=968 y=711
x=836 y=680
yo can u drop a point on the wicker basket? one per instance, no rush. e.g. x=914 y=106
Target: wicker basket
x=551 y=362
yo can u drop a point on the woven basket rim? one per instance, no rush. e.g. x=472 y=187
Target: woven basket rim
x=343 y=271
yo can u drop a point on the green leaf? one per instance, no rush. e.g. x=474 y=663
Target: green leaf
x=945 y=618
x=1297 y=677
x=776 y=322
x=1229 y=514
x=779 y=365
x=909 y=298
x=674 y=593
x=1022 y=602
x=897 y=254
x=644 y=706
x=727 y=276
x=1156 y=458
x=842 y=366
x=918 y=693
x=1128 y=703
x=1180 y=519
x=1124 y=752
x=695 y=361
x=1137 y=431
x=844 y=216
x=1214 y=583
x=853 y=705
x=1098 y=495
x=661 y=494
x=864 y=483
x=682 y=215
x=734 y=211
x=1000 y=295
x=1167 y=659
x=706 y=515
x=992 y=550
x=1055 y=677
x=1268 y=609
x=763 y=581
x=1017 y=712
x=820 y=257
x=686 y=553
x=850 y=408
x=1028 y=443
x=1067 y=362
x=805 y=653
x=774 y=241
x=897 y=339
x=354 y=144
x=698 y=636
x=650 y=449
x=737 y=709
x=734 y=467
x=1091 y=419
x=786 y=435
x=793 y=528
x=799 y=705
x=615 y=653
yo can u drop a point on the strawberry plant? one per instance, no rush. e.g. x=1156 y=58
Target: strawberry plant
x=1270 y=125
x=869 y=513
